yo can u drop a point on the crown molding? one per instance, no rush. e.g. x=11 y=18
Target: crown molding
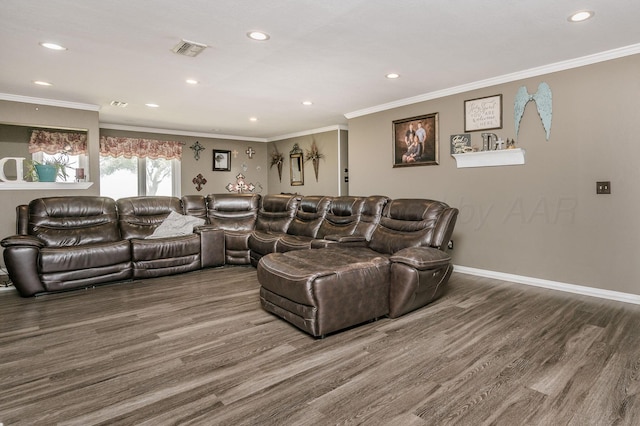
x=48 y=102
x=309 y=132
x=507 y=78
x=114 y=126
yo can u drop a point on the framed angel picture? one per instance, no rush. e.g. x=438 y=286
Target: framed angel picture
x=221 y=160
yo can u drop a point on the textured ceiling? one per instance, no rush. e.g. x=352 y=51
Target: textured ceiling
x=332 y=52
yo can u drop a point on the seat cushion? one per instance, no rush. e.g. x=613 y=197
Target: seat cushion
x=293 y=242
x=87 y=256
x=263 y=242
x=165 y=248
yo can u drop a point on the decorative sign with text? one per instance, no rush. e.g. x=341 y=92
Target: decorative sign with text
x=483 y=113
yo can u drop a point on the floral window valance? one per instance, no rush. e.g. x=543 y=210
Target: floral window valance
x=135 y=147
x=53 y=142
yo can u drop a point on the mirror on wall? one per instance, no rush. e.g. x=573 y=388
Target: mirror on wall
x=296 y=162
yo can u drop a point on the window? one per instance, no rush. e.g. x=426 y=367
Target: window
x=132 y=167
x=129 y=177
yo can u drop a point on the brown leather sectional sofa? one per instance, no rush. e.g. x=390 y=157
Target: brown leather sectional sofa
x=371 y=256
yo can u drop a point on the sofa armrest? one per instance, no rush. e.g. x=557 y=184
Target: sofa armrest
x=421 y=258
x=211 y=246
x=21 y=257
x=22 y=241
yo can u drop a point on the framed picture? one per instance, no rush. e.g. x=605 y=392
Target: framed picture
x=461 y=143
x=483 y=113
x=415 y=141
x=221 y=161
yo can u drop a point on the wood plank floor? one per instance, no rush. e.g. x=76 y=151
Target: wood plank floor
x=197 y=349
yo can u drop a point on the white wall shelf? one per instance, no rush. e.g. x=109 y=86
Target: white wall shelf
x=25 y=186
x=504 y=157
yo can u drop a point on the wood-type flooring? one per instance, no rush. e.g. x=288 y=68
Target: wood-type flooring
x=197 y=349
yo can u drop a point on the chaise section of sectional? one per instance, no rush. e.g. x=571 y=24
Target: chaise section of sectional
x=402 y=268
x=325 y=290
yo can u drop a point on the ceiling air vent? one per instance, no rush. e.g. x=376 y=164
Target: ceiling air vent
x=188 y=48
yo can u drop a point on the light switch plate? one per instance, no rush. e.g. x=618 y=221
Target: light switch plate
x=603 y=187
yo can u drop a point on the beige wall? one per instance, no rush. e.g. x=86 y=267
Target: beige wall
x=14 y=142
x=48 y=116
x=256 y=171
x=327 y=183
x=542 y=219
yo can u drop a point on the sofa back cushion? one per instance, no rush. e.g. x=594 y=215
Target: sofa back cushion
x=276 y=212
x=371 y=213
x=309 y=216
x=140 y=216
x=233 y=212
x=408 y=223
x=73 y=221
x=342 y=217
x=194 y=205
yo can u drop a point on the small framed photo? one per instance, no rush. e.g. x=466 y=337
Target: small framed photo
x=221 y=160
x=483 y=113
x=415 y=141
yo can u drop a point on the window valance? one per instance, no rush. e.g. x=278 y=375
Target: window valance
x=53 y=142
x=136 y=147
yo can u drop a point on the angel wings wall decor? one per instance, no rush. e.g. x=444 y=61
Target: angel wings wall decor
x=543 y=101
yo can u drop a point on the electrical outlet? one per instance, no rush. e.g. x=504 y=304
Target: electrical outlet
x=603 y=187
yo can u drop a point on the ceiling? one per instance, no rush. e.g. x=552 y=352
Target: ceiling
x=334 y=53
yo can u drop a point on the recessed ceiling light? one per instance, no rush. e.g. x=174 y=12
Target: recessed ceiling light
x=191 y=81
x=307 y=103
x=583 y=15
x=52 y=46
x=253 y=119
x=42 y=83
x=258 y=35
x=153 y=105
x=392 y=75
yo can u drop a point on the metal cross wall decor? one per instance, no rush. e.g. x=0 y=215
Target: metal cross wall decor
x=199 y=181
x=240 y=186
x=196 y=147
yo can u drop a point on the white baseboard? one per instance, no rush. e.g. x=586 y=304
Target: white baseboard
x=553 y=285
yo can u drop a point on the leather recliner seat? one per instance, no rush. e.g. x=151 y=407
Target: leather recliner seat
x=65 y=245
x=236 y=215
